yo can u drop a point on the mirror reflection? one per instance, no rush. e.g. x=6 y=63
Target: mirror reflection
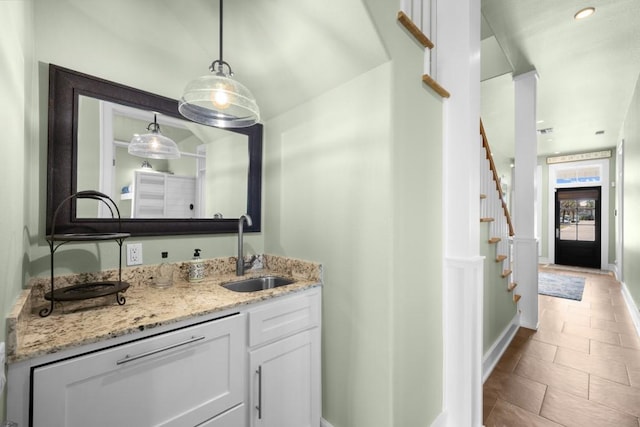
x=226 y=164
x=209 y=180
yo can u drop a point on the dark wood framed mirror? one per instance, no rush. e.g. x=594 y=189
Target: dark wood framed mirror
x=66 y=89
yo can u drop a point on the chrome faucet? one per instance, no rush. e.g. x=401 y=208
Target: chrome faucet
x=240 y=264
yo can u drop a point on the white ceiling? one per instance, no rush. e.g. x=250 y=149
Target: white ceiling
x=587 y=70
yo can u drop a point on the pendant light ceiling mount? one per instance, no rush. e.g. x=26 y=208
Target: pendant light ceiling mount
x=217 y=99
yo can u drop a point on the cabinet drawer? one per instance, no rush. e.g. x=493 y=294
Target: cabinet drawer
x=232 y=418
x=178 y=378
x=283 y=318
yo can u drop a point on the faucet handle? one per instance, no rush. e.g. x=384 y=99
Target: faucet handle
x=249 y=263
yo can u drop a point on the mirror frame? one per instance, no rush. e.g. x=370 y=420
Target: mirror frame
x=65 y=87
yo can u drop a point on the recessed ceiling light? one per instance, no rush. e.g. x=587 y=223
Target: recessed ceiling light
x=584 y=13
x=540 y=121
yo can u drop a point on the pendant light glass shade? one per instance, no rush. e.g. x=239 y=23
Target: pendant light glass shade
x=153 y=145
x=217 y=99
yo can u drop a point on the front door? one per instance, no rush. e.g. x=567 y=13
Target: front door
x=578 y=227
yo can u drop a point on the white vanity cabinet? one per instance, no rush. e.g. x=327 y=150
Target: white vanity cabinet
x=185 y=377
x=284 y=362
x=257 y=366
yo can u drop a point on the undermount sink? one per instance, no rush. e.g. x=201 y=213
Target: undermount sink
x=257 y=284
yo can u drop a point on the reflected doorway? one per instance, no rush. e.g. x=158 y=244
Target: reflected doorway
x=577 y=226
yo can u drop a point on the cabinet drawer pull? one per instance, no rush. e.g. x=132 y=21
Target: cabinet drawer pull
x=259 y=407
x=128 y=358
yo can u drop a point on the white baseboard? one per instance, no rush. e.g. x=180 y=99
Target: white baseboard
x=631 y=307
x=493 y=355
x=324 y=423
x=544 y=261
x=614 y=269
x=440 y=421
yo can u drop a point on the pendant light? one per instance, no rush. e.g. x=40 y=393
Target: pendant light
x=153 y=145
x=217 y=99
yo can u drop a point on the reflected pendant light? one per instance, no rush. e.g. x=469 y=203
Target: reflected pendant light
x=153 y=145
x=217 y=99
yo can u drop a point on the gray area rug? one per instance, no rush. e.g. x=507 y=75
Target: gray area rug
x=561 y=286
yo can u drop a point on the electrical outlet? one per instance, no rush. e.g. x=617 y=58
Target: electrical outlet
x=134 y=254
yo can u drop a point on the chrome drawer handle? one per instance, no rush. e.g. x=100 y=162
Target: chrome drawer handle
x=128 y=358
x=259 y=407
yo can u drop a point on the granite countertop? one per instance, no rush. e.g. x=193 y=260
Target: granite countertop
x=75 y=324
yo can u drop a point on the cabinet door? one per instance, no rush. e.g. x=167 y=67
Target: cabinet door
x=285 y=388
x=180 y=378
x=180 y=197
x=148 y=196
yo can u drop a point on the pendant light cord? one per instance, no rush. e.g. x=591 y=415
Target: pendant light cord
x=218 y=65
x=221 y=60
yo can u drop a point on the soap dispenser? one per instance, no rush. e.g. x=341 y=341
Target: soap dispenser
x=196 y=267
x=164 y=273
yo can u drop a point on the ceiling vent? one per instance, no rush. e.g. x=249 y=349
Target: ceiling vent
x=545 y=131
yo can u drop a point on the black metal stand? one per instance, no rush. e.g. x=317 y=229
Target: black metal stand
x=89 y=290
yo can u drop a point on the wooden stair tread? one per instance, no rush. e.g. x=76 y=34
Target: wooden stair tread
x=414 y=30
x=483 y=196
x=506 y=273
x=500 y=258
x=516 y=298
x=430 y=81
x=494 y=240
x=511 y=286
x=424 y=41
x=487 y=219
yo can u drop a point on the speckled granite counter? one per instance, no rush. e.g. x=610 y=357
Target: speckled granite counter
x=75 y=324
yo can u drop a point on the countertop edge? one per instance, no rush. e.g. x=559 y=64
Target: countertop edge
x=30 y=336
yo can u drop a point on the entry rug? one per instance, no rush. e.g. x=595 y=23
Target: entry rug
x=561 y=286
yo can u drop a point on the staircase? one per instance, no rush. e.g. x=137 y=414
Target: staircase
x=416 y=32
x=495 y=214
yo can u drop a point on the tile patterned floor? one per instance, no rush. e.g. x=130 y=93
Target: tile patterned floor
x=581 y=368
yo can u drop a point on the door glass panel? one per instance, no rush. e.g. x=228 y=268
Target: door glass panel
x=577 y=219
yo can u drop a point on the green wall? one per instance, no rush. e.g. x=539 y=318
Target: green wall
x=544 y=228
x=416 y=255
x=631 y=250
x=327 y=198
x=18 y=155
x=612 y=209
x=362 y=196
x=498 y=306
